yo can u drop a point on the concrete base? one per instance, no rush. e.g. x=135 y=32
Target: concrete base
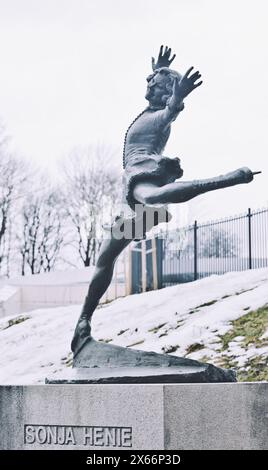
x=135 y=417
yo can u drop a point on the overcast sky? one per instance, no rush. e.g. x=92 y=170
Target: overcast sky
x=73 y=73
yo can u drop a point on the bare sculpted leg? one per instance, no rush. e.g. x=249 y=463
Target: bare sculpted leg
x=177 y=192
x=101 y=279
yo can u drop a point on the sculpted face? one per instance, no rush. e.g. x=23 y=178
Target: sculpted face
x=159 y=87
x=156 y=89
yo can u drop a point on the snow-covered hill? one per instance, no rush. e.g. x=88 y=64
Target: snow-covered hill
x=220 y=319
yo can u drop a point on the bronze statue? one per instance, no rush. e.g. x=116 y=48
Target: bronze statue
x=149 y=178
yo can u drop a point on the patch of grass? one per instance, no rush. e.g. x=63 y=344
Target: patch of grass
x=194 y=347
x=108 y=301
x=15 y=321
x=206 y=304
x=170 y=349
x=67 y=361
x=179 y=323
x=227 y=362
x=244 y=290
x=237 y=293
x=204 y=359
x=163 y=334
x=256 y=369
x=135 y=344
x=107 y=340
x=155 y=329
x=252 y=326
x=121 y=332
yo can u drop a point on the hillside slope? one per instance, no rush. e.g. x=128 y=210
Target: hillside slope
x=220 y=319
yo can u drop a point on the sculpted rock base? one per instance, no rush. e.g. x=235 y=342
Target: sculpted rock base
x=105 y=363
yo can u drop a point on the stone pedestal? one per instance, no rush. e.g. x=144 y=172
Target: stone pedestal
x=135 y=416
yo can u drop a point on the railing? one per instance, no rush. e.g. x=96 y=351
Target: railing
x=231 y=244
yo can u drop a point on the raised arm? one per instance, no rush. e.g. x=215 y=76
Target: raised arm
x=164 y=59
x=181 y=88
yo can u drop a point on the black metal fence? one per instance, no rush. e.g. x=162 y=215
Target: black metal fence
x=232 y=244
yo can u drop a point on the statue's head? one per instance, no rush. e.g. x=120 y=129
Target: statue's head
x=160 y=85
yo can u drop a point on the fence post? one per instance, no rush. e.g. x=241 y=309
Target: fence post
x=195 y=250
x=159 y=261
x=249 y=239
x=143 y=266
x=154 y=263
x=129 y=272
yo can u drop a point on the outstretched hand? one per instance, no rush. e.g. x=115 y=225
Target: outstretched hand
x=187 y=83
x=164 y=59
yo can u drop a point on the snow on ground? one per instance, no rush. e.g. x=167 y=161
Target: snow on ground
x=6 y=292
x=171 y=320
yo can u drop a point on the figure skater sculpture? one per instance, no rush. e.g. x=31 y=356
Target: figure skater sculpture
x=149 y=183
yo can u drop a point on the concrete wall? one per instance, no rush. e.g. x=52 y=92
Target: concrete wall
x=46 y=296
x=153 y=416
x=10 y=304
x=54 y=289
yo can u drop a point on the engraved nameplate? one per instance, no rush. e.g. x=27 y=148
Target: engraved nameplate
x=88 y=436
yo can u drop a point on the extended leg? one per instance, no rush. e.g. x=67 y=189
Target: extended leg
x=177 y=192
x=110 y=250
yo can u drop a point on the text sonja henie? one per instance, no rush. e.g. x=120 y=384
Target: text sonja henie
x=89 y=436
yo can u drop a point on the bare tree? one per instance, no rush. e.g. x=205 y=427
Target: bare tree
x=90 y=191
x=218 y=244
x=13 y=176
x=42 y=237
